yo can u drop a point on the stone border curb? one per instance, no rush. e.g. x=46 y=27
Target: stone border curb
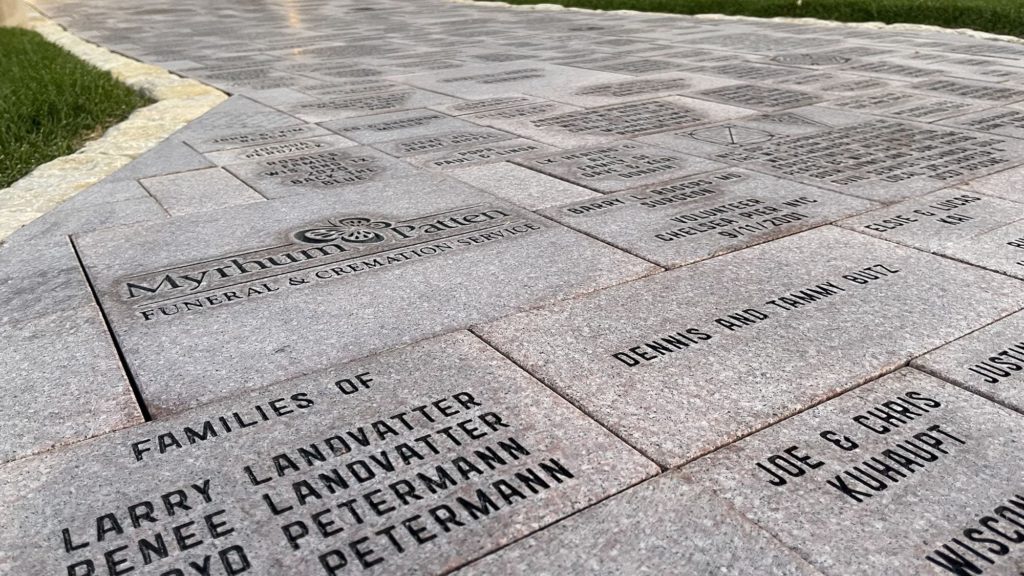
x=810 y=21
x=179 y=101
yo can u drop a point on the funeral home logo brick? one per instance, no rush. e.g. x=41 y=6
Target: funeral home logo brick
x=330 y=249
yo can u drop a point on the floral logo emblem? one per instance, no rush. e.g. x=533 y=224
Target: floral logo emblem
x=352 y=230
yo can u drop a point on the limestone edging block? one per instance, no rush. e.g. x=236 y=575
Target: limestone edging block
x=179 y=100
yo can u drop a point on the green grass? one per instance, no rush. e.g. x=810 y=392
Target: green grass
x=51 y=102
x=996 y=16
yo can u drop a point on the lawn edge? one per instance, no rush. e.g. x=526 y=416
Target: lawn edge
x=178 y=102
x=809 y=21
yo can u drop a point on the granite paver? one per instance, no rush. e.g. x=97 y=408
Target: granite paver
x=907 y=474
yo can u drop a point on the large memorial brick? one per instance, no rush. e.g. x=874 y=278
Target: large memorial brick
x=421 y=459
x=689 y=219
x=209 y=304
x=907 y=475
x=689 y=360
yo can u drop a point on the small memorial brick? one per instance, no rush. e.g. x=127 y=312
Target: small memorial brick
x=473 y=155
x=625 y=120
x=1000 y=249
x=331 y=108
x=618 y=166
x=319 y=171
x=213 y=143
x=279 y=149
x=521 y=186
x=485 y=104
x=603 y=93
x=875 y=158
x=1002 y=121
x=396 y=126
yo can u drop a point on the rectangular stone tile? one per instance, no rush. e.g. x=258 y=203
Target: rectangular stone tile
x=518 y=119
x=279 y=149
x=915 y=107
x=1005 y=184
x=331 y=108
x=397 y=126
x=443 y=141
x=835 y=84
x=521 y=186
x=937 y=221
x=213 y=143
x=571 y=128
x=1008 y=121
x=108 y=191
x=1000 y=249
x=71 y=218
x=417 y=460
x=880 y=159
x=273 y=281
x=986 y=362
x=969 y=90
x=680 y=221
x=486 y=104
x=235 y=115
x=689 y=360
x=747 y=71
x=592 y=93
x=490 y=80
x=199 y=191
x=350 y=87
x=757 y=97
x=61 y=382
x=664 y=526
x=320 y=171
x=39 y=277
x=618 y=166
x=477 y=154
x=168 y=157
x=632 y=66
x=892 y=68
x=905 y=475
